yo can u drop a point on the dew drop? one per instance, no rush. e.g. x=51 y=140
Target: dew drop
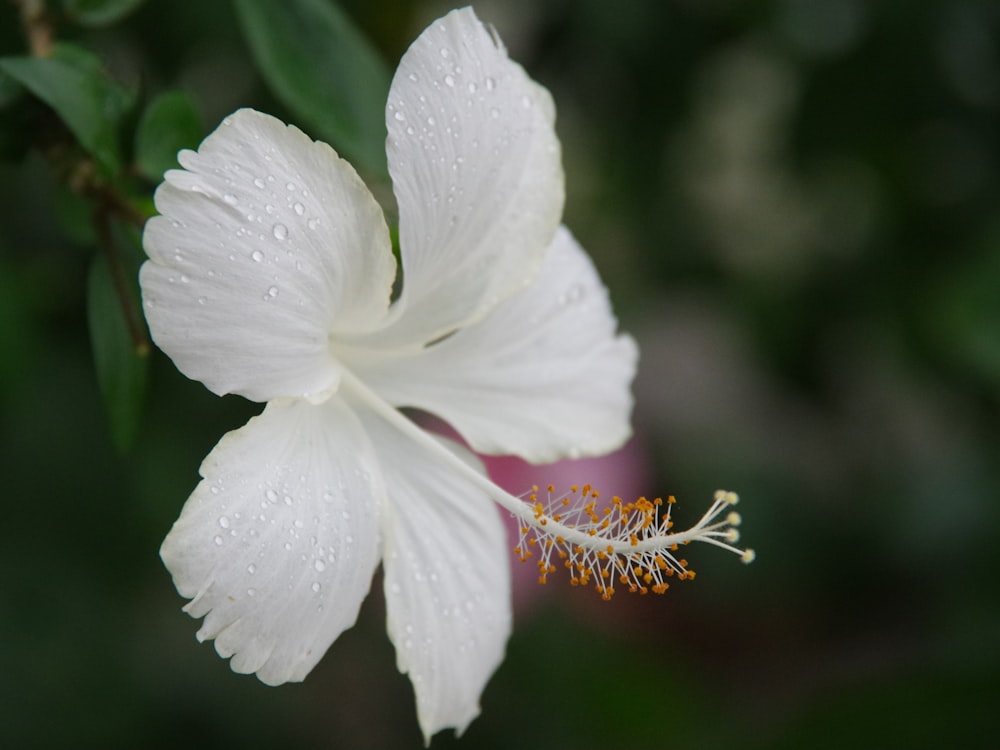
x=224 y=522
x=259 y=183
x=449 y=80
x=257 y=256
x=218 y=541
x=312 y=223
x=230 y=199
x=316 y=587
x=290 y=186
x=472 y=87
x=413 y=77
x=574 y=294
x=251 y=568
x=251 y=592
x=319 y=565
x=272 y=496
x=445 y=52
x=298 y=208
x=491 y=83
x=400 y=117
x=280 y=232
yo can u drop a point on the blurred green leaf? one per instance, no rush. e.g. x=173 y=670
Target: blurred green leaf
x=170 y=122
x=121 y=369
x=73 y=83
x=74 y=216
x=9 y=90
x=323 y=69
x=99 y=12
x=964 y=316
x=13 y=136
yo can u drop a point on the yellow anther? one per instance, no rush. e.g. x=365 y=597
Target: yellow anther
x=626 y=537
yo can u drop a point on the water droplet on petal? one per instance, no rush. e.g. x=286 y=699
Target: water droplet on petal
x=445 y=52
x=251 y=592
x=449 y=80
x=400 y=117
x=280 y=232
x=218 y=541
x=259 y=183
x=257 y=256
x=491 y=83
x=230 y=199
x=319 y=565
x=298 y=208
x=251 y=568
x=224 y=522
x=272 y=496
x=316 y=587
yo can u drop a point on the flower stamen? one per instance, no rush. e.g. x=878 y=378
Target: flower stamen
x=628 y=544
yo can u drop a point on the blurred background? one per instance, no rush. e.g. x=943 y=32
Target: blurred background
x=795 y=205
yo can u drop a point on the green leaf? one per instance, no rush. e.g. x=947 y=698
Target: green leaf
x=324 y=70
x=963 y=313
x=170 y=123
x=98 y=12
x=121 y=367
x=74 y=85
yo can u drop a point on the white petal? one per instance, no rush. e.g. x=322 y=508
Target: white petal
x=447 y=579
x=476 y=169
x=277 y=545
x=267 y=243
x=543 y=377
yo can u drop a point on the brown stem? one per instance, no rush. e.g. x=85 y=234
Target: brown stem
x=36 y=25
x=83 y=179
x=136 y=329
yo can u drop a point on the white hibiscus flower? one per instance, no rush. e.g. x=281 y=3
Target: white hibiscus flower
x=270 y=275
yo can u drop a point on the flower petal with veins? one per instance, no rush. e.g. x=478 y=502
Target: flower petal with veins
x=267 y=244
x=277 y=545
x=477 y=172
x=447 y=578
